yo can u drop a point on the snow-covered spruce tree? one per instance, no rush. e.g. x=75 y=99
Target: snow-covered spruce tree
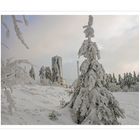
x=32 y=73
x=114 y=78
x=120 y=80
x=48 y=76
x=138 y=78
x=111 y=83
x=134 y=77
x=57 y=75
x=42 y=75
x=92 y=103
x=48 y=73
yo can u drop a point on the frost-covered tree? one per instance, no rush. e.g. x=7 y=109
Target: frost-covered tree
x=138 y=78
x=113 y=87
x=135 y=83
x=32 y=73
x=92 y=103
x=130 y=82
x=127 y=83
x=48 y=73
x=13 y=73
x=42 y=74
x=110 y=78
x=112 y=83
x=134 y=77
x=48 y=76
x=57 y=75
x=128 y=79
x=45 y=75
x=114 y=79
x=120 y=81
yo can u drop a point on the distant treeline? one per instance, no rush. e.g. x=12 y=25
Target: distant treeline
x=129 y=82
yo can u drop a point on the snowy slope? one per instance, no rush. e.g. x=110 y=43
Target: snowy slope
x=129 y=101
x=34 y=103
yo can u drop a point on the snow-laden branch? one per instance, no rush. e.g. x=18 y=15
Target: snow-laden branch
x=3 y=44
x=18 y=32
x=5 y=26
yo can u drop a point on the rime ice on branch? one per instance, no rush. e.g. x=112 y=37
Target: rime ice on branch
x=92 y=103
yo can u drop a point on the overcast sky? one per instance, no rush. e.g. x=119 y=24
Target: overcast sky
x=117 y=38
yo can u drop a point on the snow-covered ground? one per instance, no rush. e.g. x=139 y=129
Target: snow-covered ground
x=129 y=101
x=34 y=103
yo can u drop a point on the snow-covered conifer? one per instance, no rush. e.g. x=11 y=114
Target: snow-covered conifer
x=42 y=72
x=42 y=75
x=138 y=78
x=48 y=73
x=92 y=103
x=32 y=73
x=120 y=81
x=134 y=77
x=114 y=78
x=57 y=74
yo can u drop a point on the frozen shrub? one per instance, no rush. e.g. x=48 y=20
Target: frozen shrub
x=53 y=116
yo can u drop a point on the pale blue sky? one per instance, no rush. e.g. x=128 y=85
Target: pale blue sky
x=47 y=36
